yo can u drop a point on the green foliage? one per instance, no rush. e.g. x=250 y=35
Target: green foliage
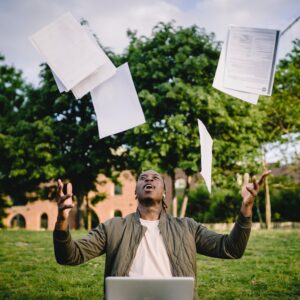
x=45 y=135
x=285 y=199
x=199 y=203
x=80 y=153
x=170 y=70
x=5 y=202
x=222 y=205
x=173 y=71
x=98 y=198
x=283 y=108
x=286 y=204
x=27 y=146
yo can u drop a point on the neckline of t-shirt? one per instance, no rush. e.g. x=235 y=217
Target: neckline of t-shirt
x=149 y=222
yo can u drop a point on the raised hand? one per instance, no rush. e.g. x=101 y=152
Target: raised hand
x=250 y=191
x=64 y=202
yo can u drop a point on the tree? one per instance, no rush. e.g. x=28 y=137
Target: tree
x=24 y=146
x=46 y=135
x=173 y=71
x=282 y=110
x=79 y=153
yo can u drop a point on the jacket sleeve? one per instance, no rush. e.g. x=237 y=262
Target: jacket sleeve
x=212 y=244
x=74 y=252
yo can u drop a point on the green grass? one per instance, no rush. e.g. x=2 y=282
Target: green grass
x=270 y=269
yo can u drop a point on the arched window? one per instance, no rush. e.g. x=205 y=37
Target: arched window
x=18 y=221
x=44 y=221
x=118 y=189
x=117 y=213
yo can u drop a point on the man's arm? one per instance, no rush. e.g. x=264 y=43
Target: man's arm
x=67 y=251
x=212 y=244
x=233 y=245
x=74 y=252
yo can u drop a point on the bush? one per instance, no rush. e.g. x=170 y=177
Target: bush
x=285 y=204
x=221 y=206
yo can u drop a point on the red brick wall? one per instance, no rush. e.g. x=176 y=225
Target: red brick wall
x=126 y=203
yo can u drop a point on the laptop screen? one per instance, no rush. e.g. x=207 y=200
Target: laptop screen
x=132 y=288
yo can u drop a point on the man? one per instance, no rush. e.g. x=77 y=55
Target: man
x=150 y=242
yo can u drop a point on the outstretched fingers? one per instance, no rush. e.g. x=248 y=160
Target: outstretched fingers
x=64 y=198
x=61 y=197
x=255 y=184
x=252 y=190
x=263 y=177
x=66 y=206
x=60 y=187
x=69 y=188
x=246 y=178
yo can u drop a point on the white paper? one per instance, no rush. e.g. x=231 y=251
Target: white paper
x=218 y=82
x=103 y=73
x=68 y=50
x=106 y=71
x=89 y=83
x=117 y=104
x=250 y=59
x=59 y=84
x=206 y=143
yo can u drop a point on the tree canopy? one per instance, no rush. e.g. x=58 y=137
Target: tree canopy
x=173 y=71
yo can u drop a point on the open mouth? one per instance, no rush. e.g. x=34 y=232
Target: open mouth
x=148 y=187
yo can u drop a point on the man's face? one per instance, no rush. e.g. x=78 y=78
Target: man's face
x=150 y=187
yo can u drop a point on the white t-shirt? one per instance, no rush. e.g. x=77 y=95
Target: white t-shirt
x=151 y=259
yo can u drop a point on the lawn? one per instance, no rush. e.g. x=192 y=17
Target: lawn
x=270 y=269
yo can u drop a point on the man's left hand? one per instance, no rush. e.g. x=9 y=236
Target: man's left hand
x=250 y=191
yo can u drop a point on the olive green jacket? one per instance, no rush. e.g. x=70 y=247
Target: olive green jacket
x=119 y=238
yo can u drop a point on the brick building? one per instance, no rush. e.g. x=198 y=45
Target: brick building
x=119 y=200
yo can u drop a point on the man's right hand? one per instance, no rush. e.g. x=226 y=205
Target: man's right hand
x=64 y=203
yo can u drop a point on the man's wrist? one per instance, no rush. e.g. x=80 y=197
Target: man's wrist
x=246 y=210
x=61 y=223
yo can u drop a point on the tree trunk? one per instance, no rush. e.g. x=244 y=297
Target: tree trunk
x=185 y=197
x=267 y=200
x=268 y=204
x=174 y=207
x=173 y=196
x=79 y=215
x=261 y=223
x=89 y=213
x=183 y=206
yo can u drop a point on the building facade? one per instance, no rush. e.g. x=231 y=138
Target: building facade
x=119 y=200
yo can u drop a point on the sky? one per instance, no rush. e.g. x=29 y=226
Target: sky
x=110 y=20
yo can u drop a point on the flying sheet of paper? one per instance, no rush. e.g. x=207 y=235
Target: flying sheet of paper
x=106 y=71
x=250 y=59
x=206 y=143
x=68 y=50
x=218 y=82
x=59 y=84
x=89 y=83
x=117 y=104
x=103 y=73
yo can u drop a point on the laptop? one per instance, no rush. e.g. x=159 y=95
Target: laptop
x=133 y=288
